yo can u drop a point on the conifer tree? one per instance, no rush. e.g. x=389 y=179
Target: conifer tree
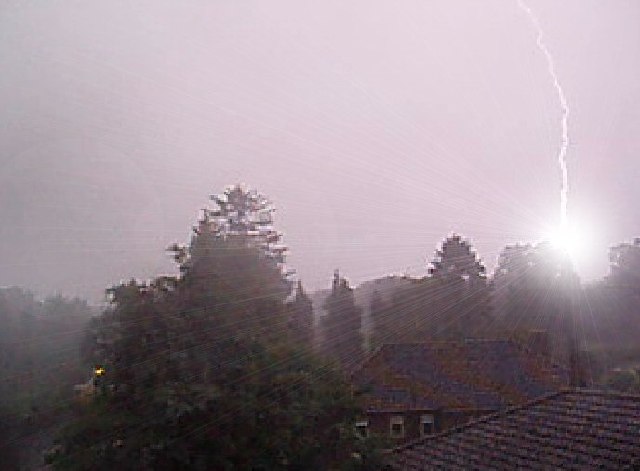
x=342 y=324
x=461 y=301
x=457 y=261
x=199 y=372
x=301 y=318
x=383 y=321
x=236 y=259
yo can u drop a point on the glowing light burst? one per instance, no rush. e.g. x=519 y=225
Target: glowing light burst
x=562 y=154
x=567 y=240
x=576 y=241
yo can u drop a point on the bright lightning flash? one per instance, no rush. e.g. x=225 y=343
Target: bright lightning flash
x=567 y=240
x=575 y=241
x=562 y=153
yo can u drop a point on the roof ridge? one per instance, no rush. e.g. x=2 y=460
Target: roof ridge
x=454 y=365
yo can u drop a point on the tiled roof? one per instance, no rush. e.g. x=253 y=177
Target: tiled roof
x=471 y=374
x=567 y=430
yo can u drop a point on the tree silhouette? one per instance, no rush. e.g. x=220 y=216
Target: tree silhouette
x=536 y=289
x=342 y=324
x=455 y=260
x=382 y=320
x=200 y=371
x=301 y=318
x=459 y=298
x=624 y=268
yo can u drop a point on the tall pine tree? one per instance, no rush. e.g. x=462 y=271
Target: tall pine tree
x=461 y=301
x=199 y=373
x=301 y=318
x=342 y=324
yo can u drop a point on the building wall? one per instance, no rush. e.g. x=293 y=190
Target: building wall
x=380 y=421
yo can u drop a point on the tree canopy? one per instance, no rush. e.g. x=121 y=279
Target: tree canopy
x=624 y=263
x=457 y=260
x=342 y=324
x=460 y=295
x=201 y=370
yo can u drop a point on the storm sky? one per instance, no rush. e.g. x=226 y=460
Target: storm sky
x=376 y=127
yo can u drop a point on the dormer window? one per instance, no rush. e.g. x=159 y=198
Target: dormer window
x=396 y=426
x=362 y=428
x=426 y=425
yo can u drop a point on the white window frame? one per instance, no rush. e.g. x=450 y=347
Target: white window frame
x=427 y=419
x=396 y=420
x=362 y=428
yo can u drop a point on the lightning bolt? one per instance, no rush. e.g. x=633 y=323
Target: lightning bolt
x=562 y=154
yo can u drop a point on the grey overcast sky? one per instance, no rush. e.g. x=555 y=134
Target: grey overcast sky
x=376 y=127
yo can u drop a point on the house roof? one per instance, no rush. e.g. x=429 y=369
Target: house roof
x=573 y=429
x=471 y=374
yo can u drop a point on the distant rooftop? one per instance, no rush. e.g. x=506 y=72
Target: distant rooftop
x=569 y=430
x=472 y=374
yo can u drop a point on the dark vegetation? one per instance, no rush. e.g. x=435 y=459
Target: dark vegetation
x=39 y=364
x=213 y=369
x=226 y=365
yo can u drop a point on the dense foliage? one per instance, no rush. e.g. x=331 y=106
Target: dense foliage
x=38 y=347
x=224 y=367
x=39 y=364
x=452 y=302
x=201 y=369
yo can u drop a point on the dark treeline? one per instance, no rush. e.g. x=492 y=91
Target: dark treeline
x=213 y=368
x=533 y=290
x=39 y=363
x=226 y=366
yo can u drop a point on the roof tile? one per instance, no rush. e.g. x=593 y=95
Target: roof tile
x=574 y=429
x=473 y=374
